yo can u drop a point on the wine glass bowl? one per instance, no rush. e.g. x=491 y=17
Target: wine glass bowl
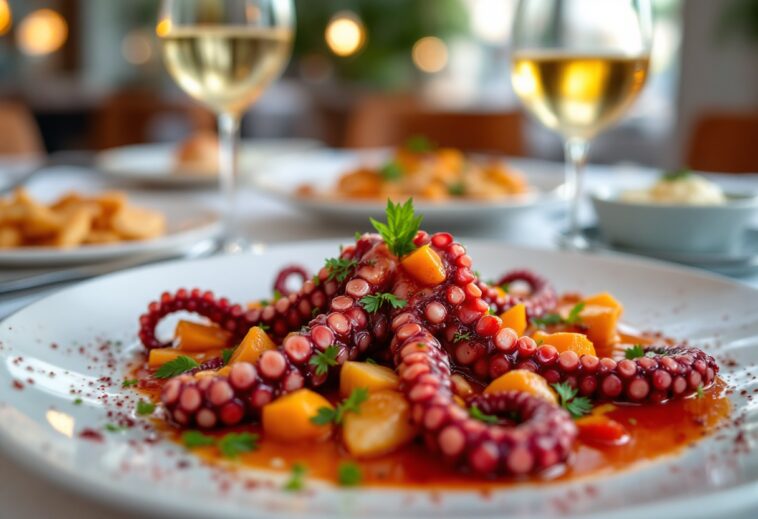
x=225 y=53
x=577 y=66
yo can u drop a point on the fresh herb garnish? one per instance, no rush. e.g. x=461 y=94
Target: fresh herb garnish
x=576 y=406
x=477 y=414
x=324 y=360
x=340 y=268
x=634 y=352
x=461 y=336
x=316 y=280
x=352 y=404
x=540 y=342
x=193 y=439
x=176 y=367
x=673 y=176
x=419 y=144
x=370 y=361
x=296 y=481
x=78 y=401
x=456 y=189
x=391 y=172
x=358 y=235
x=231 y=445
x=110 y=427
x=226 y=355
x=401 y=227
x=700 y=392
x=573 y=317
x=373 y=302
x=145 y=408
x=349 y=474
x=505 y=287
x=129 y=382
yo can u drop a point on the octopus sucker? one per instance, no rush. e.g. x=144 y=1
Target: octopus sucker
x=437 y=330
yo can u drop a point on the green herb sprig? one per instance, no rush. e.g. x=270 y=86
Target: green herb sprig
x=477 y=414
x=573 y=317
x=352 y=404
x=340 y=268
x=374 y=302
x=401 y=227
x=324 y=360
x=176 y=367
x=576 y=406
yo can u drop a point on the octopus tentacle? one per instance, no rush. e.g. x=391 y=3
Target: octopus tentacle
x=280 y=283
x=541 y=299
x=217 y=400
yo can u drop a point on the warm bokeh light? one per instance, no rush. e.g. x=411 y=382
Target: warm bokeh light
x=345 y=34
x=163 y=27
x=6 y=17
x=41 y=32
x=430 y=54
x=61 y=422
x=491 y=20
x=137 y=47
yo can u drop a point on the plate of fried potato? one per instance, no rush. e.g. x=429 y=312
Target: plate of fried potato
x=449 y=187
x=79 y=228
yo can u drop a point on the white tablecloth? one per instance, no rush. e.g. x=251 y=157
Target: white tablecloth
x=24 y=494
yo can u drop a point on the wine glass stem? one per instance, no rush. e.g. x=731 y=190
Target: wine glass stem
x=576 y=157
x=228 y=125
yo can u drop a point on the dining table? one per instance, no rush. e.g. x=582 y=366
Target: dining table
x=264 y=220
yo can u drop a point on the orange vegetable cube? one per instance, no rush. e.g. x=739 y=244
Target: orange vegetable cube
x=200 y=337
x=383 y=425
x=601 y=322
x=566 y=341
x=354 y=375
x=288 y=418
x=425 y=265
x=603 y=299
x=515 y=318
x=523 y=380
x=159 y=356
x=252 y=346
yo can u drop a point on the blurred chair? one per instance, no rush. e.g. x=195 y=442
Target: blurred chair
x=724 y=142
x=388 y=121
x=135 y=116
x=19 y=131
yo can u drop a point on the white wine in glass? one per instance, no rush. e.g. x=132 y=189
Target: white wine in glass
x=577 y=65
x=225 y=53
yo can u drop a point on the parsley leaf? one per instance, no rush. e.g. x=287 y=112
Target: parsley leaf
x=349 y=474
x=573 y=316
x=634 y=352
x=352 y=404
x=145 y=408
x=324 y=360
x=316 y=280
x=340 y=268
x=78 y=401
x=673 y=176
x=296 y=481
x=700 y=392
x=456 y=189
x=129 y=382
x=232 y=445
x=373 y=302
x=419 y=144
x=358 y=235
x=192 y=439
x=401 y=227
x=461 y=336
x=176 y=367
x=113 y=428
x=391 y=172
x=477 y=414
x=505 y=287
x=576 y=406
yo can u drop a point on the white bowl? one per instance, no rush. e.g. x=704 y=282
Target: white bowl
x=674 y=227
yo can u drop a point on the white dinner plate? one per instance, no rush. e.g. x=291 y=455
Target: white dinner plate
x=321 y=169
x=155 y=164
x=76 y=344
x=186 y=225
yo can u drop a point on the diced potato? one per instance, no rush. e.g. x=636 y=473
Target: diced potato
x=134 y=223
x=601 y=323
x=354 y=375
x=523 y=380
x=75 y=229
x=515 y=318
x=256 y=341
x=382 y=425
x=200 y=337
x=566 y=341
x=10 y=237
x=425 y=265
x=288 y=418
x=603 y=299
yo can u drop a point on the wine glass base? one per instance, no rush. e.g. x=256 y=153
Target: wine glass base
x=573 y=241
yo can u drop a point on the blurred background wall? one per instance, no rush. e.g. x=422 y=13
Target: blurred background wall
x=90 y=72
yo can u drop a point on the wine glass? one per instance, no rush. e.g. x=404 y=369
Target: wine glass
x=577 y=65
x=225 y=53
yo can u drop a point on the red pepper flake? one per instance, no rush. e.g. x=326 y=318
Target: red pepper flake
x=91 y=434
x=17 y=384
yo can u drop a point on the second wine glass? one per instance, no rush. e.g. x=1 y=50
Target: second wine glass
x=578 y=65
x=225 y=53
